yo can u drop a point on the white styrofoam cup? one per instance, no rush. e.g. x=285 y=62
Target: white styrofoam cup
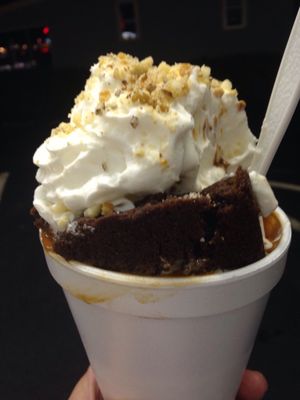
x=151 y=338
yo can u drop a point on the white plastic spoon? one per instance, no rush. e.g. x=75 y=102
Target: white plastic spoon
x=283 y=101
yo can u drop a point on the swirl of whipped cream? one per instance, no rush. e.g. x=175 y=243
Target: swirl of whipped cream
x=140 y=129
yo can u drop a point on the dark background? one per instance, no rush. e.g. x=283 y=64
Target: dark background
x=41 y=355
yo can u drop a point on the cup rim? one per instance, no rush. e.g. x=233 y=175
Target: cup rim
x=217 y=278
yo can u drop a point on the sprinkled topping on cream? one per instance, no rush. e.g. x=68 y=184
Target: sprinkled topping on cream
x=140 y=129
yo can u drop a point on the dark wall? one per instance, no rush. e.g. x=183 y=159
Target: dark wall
x=195 y=29
x=170 y=30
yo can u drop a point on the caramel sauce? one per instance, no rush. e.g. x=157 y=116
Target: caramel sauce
x=47 y=240
x=273 y=230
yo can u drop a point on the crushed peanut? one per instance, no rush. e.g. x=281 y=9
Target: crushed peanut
x=104 y=95
x=219 y=160
x=163 y=162
x=107 y=209
x=134 y=121
x=93 y=211
x=63 y=128
x=156 y=86
x=218 y=92
x=139 y=152
x=140 y=83
x=241 y=105
x=99 y=209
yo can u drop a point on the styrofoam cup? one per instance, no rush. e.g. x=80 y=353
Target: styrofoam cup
x=151 y=338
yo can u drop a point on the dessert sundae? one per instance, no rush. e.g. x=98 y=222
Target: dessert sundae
x=149 y=176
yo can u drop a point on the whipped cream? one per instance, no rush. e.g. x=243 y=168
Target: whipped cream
x=140 y=129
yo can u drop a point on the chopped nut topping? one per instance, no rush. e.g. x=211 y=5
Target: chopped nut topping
x=62 y=129
x=134 y=121
x=140 y=82
x=150 y=87
x=98 y=111
x=219 y=160
x=218 y=92
x=93 y=211
x=107 y=209
x=79 y=97
x=76 y=119
x=195 y=134
x=99 y=209
x=139 y=153
x=241 y=105
x=163 y=162
x=144 y=83
x=226 y=85
x=89 y=118
x=104 y=95
x=185 y=69
x=59 y=207
x=222 y=111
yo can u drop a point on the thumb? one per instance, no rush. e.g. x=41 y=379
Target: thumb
x=253 y=386
x=86 y=388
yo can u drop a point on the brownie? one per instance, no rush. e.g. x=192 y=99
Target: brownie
x=169 y=235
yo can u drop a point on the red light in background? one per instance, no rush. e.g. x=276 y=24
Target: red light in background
x=46 y=30
x=44 y=49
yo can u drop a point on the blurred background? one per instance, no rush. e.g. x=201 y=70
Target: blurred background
x=46 y=50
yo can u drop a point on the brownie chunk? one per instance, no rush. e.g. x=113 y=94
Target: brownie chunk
x=165 y=235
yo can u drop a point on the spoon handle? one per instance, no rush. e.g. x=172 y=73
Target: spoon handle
x=282 y=104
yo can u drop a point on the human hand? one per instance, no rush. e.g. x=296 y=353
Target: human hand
x=86 y=388
x=253 y=387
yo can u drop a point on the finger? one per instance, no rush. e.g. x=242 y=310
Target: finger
x=253 y=386
x=86 y=388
